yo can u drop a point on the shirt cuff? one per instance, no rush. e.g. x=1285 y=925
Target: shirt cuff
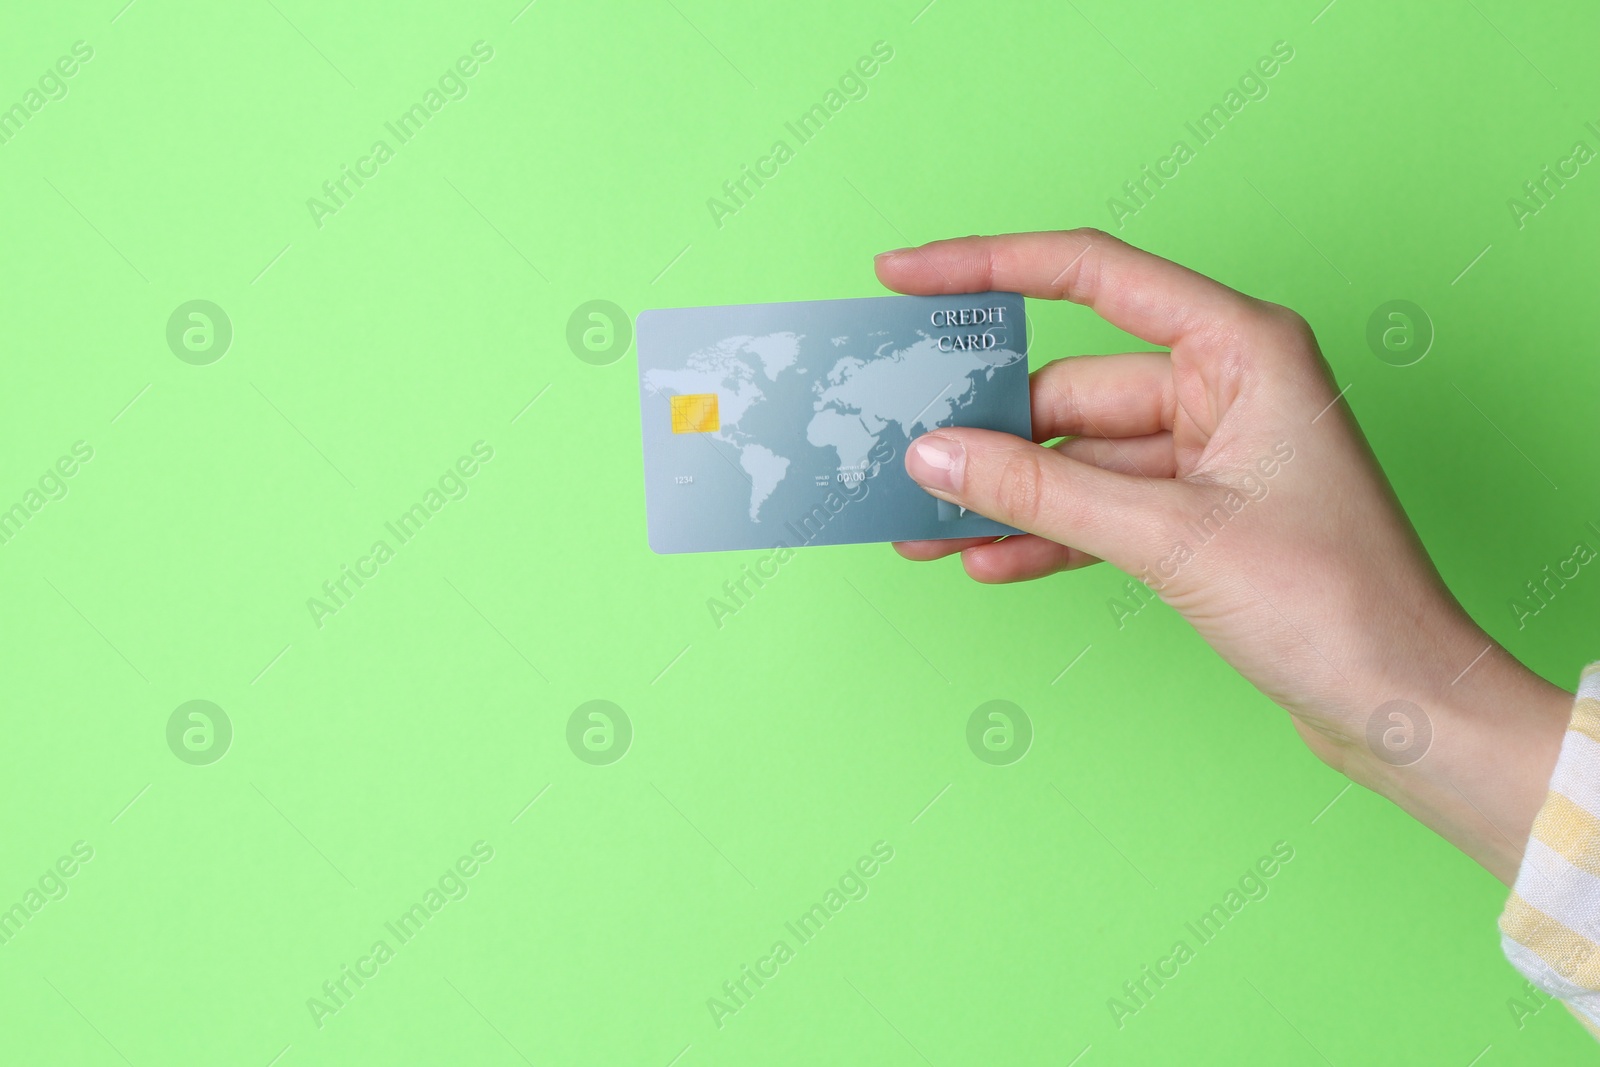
x=1550 y=929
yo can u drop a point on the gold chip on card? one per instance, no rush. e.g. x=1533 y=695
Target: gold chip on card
x=694 y=413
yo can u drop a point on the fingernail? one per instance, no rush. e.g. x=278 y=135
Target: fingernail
x=881 y=256
x=937 y=462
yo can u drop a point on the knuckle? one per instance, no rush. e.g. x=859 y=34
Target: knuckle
x=1081 y=276
x=1251 y=329
x=1058 y=365
x=1283 y=324
x=1020 y=486
x=1060 y=399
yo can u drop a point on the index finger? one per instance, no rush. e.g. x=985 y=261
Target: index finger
x=1134 y=290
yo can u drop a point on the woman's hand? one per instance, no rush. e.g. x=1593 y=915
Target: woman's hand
x=1229 y=476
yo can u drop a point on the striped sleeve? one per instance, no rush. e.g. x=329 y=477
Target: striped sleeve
x=1550 y=928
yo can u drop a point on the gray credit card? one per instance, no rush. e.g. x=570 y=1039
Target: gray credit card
x=781 y=425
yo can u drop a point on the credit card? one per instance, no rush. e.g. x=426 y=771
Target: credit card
x=785 y=425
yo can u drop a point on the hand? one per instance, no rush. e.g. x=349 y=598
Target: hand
x=1230 y=477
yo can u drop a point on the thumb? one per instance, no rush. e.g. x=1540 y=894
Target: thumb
x=1120 y=518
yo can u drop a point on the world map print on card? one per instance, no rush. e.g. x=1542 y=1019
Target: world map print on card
x=802 y=413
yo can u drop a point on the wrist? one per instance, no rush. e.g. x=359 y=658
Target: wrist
x=1471 y=754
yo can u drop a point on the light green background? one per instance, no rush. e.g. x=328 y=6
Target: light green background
x=368 y=354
